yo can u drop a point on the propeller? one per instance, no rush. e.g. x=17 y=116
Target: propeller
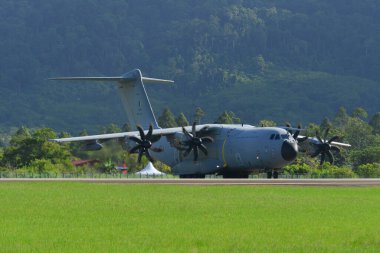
x=296 y=133
x=324 y=148
x=144 y=143
x=194 y=143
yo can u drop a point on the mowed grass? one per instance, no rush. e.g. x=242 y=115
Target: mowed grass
x=85 y=217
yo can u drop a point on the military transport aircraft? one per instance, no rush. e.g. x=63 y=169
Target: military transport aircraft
x=229 y=150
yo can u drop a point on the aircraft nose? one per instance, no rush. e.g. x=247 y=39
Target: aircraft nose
x=289 y=150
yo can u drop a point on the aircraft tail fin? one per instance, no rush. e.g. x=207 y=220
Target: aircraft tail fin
x=133 y=94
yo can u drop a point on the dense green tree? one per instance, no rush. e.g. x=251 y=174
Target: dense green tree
x=358 y=133
x=375 y=123
x=369 y=170
x=367 y=155
x=198 y=114
x=228 y=118
x=167 y=120
x=182 y=120
x=267 y=123
x=21 y=134
x=341 y=117
x=326 y=124
x=111 y=128
x=359 y=113
x=126 y=128
x=83 y=133
x=311 y=129
x=23 y=151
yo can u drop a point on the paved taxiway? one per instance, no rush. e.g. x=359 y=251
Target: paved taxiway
x=279 y=182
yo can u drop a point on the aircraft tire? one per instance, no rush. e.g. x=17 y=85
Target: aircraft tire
x=275 y=174
x=269 y=174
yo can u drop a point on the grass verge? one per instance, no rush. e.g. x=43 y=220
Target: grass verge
x=83 y=217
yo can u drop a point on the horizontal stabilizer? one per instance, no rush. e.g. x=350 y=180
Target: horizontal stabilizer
x=112 y=79
x=155 y=80
x=126 y=78
x=102 y=79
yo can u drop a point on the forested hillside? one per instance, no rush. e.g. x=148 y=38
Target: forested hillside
x=280 y=60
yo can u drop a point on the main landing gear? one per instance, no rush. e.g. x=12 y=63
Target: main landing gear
x=272 y=173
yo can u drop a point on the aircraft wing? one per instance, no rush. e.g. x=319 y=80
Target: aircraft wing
x=104 y=137
x=316 y=141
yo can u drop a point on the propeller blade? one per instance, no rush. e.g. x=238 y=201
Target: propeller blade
x=188 y=135
x=155 y=138
x=333 y=139
x=323 y=157
x=141 y=151
x=297 y=132
x=141 y=131
x=196 y=153
x=316 y=153
x=331 y=157
x=326 y=133
x=134 y=149
x=150 y=158
x=135 y=139
x=203 y=149
x=335 y=149
x=145 y=143
x=318 y=136
x=194 y=143
x=149 y=134
x=290 y=126
x=207 y=139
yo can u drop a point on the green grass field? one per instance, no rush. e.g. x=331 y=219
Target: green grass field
x=85 y=217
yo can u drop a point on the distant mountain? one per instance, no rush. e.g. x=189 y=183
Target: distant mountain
x=274 y=59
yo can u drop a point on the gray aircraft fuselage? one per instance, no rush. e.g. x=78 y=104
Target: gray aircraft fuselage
x=236 y=149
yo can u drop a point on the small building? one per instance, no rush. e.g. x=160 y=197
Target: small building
x=90 y=162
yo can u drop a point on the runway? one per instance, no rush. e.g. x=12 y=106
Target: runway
x=248 y=182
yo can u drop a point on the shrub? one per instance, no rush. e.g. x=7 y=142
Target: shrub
x=370 y=170
x=297 y=169
x=40 y=166
x=331 y=171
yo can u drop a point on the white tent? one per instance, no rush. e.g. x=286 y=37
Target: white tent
x=150 y=170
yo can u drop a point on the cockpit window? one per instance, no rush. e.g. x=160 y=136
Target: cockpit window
x=272 y=136
x=277 y=136
x=284 y=136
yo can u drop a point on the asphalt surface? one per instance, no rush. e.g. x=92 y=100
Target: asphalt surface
x=253 y=182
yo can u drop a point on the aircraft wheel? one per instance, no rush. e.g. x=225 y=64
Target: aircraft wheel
x=275 y=174
x=269 y=174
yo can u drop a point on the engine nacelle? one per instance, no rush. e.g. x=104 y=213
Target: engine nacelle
x=92 y=146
